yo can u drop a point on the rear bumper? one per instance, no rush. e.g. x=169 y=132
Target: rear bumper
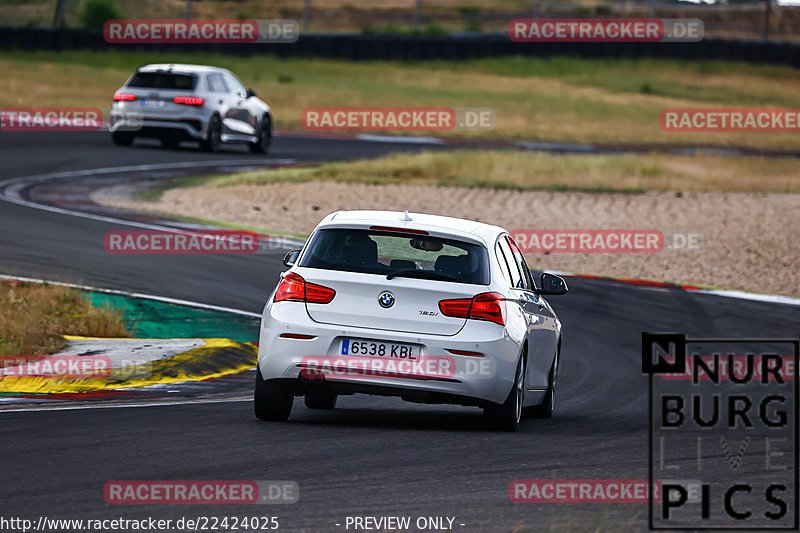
x=301 y=387
x=439 y=376
x=188 y=128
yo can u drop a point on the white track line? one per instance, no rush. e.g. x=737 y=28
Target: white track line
x=120 y=405
x=742 y=295
x=164 y=299
x=727 y=293
x=19 y=182
x=10 y=189
x=399 y=139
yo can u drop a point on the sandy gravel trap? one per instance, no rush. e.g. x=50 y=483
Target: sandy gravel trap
x=731 y=240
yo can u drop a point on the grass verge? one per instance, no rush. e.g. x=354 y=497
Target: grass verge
x=556 y=99
x=33 y=318
x=517 y=170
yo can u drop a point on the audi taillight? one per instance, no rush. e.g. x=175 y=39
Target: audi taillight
x=294 y=288
x=189 y=100
x=485 y=306
x=120 y=97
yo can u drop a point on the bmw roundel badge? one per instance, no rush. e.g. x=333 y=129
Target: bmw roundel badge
x=386 y=299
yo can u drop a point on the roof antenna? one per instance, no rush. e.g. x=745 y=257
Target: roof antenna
x=405 y=217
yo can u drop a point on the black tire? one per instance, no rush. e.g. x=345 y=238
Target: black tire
x=320 y=400
x=545 y=409
x=264 y=137
x=272 y=399
x=121 y=138
x=214 y=139
x=506 y=417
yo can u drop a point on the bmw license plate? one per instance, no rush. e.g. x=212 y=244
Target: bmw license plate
x=389 y=350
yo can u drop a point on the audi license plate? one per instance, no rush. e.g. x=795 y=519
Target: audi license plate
x=152 y=102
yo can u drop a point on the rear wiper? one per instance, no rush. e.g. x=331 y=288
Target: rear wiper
x=414 y=273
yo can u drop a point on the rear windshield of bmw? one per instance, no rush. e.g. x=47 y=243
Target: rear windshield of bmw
x=163 y=80
x=397 y=254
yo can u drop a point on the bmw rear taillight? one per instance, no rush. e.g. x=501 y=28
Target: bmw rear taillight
x=189 y=100
x=489 y=306
x=485 y=306
x=294 y=288
x=456 y=308
x=121 y=97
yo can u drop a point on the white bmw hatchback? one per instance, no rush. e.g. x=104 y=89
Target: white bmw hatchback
x=427 y=308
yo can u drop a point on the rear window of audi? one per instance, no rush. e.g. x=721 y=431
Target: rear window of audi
x=384 y=252
x=163 y=80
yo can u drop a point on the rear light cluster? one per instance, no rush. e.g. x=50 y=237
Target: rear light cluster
x=294 y=288
x=189 y=100
x=120 y=97
x=485 y=306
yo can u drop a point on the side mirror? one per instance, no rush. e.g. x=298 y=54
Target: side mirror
x=291 y=258
x=552 y=285
x=250 y=92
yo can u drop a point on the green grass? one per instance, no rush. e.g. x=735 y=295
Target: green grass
x=664 y=77
x=554 y=99
x=34 y=317
x=520 y=170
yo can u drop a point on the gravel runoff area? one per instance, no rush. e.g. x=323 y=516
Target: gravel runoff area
x=749 y=241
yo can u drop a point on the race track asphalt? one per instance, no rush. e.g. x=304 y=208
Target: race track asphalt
x=371 y=456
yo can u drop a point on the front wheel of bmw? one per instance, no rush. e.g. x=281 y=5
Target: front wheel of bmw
x=545 y=409
x=506 y=417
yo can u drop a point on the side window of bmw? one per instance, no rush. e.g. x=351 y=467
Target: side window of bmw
x=518 y=281
x=503 y=263
x=523 y=266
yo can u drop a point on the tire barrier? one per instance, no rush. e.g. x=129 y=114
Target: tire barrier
x=453 y=47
